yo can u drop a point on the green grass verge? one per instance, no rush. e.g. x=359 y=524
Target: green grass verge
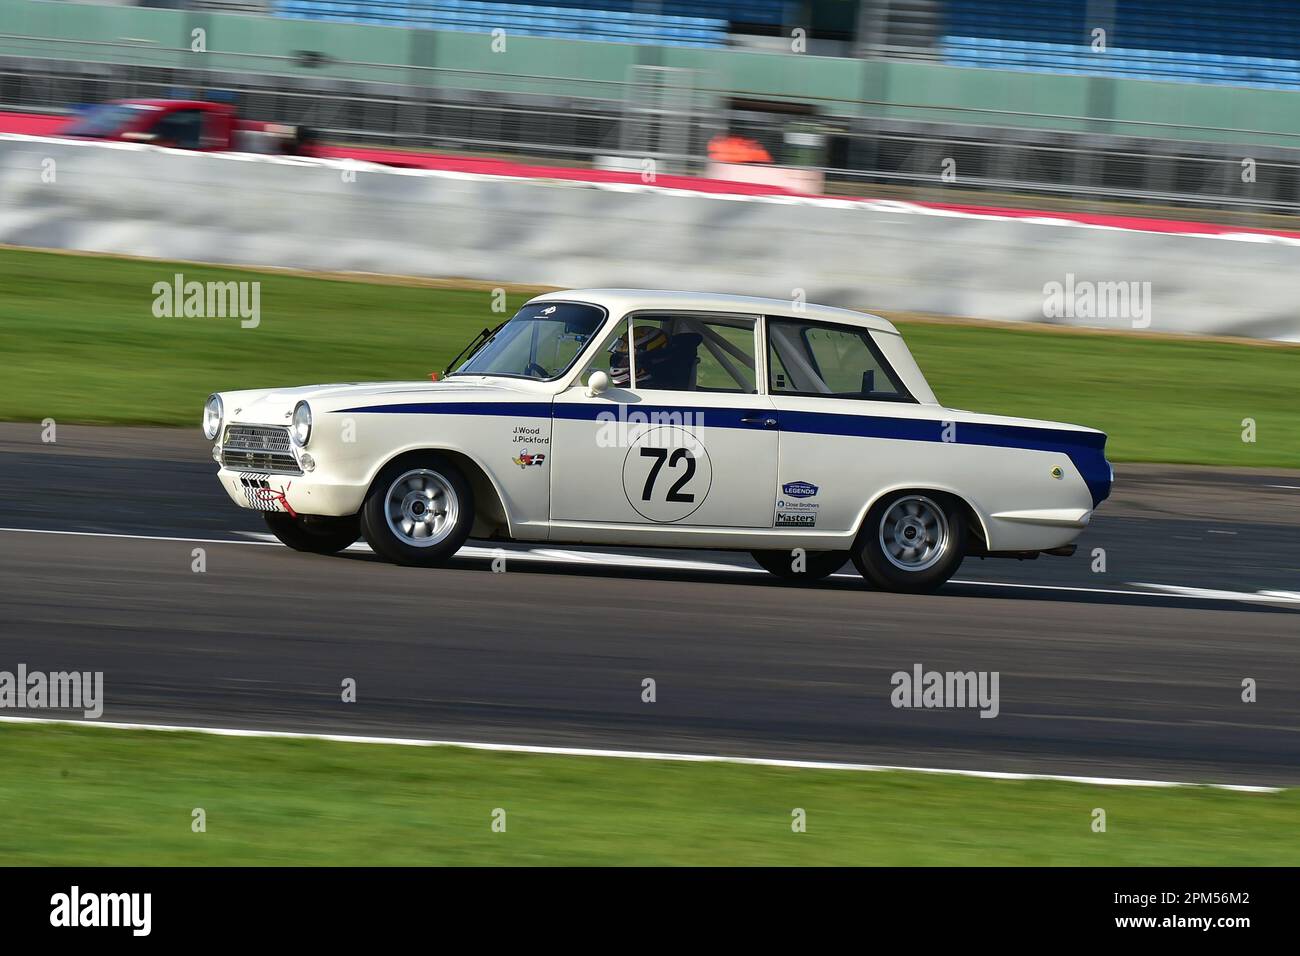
x=1159 y=400
x=75 y=796
x=81 y=344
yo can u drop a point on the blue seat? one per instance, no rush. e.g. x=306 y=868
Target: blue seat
x=611 y=20
x=1243 y=42
x=1138 y=63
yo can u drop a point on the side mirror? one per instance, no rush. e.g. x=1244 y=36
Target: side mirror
x=597 y=384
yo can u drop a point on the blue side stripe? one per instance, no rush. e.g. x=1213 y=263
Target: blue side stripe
x=1085 y=449
x=512 y=409
x=667 y=415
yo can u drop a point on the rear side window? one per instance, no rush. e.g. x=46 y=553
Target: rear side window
x=809 y=358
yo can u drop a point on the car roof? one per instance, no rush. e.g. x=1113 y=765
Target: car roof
x=621 y=301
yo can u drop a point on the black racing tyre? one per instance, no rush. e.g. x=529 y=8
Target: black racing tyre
x=312 y=533
x=419 y=511
x=817 y=564
x=911 y=541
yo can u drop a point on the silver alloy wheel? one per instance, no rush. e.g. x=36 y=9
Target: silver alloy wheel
x=421 y=507
x=914 y=533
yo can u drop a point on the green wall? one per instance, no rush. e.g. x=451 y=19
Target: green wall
x=843 y=86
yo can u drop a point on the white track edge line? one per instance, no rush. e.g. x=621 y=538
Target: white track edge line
x=632 y=754
x=141 y=537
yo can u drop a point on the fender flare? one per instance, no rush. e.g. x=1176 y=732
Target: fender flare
x=921 y=486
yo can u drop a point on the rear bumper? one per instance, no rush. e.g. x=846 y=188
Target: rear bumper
x=1049 y=517
x=1035 y=530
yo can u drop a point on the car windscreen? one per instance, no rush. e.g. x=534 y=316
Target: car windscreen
x=540 y=342
x=105 y=120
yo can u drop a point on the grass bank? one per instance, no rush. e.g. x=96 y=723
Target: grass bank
x=93 y=796
x=81 y=344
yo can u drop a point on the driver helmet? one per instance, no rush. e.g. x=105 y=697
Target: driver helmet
x=651 y=343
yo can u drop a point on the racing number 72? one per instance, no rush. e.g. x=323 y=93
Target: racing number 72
x=660 y=455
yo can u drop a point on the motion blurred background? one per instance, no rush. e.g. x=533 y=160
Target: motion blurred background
x=1110 y=113
x=931 y=160
x=1066 y=100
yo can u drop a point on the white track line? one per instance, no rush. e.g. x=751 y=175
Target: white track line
x=1210 y=594
x=136 y=537
x=517 y=552
x=633 y=754
x=1161 y=590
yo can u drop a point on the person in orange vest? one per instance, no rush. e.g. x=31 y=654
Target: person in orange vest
x=731 y=148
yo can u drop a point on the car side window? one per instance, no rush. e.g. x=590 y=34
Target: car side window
x=607 y=355
x=811 y=358
x=695 y=352
x=181 y=128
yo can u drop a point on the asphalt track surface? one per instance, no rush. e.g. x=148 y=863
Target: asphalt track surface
x=1135 y=672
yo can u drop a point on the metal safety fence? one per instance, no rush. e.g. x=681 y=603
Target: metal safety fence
x=671 y=115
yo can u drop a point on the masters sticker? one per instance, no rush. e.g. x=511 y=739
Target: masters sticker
x=796 y=514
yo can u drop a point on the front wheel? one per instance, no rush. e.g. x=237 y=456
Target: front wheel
x=911 y=541
x=314 y=534
x=419 y=511
x=812 y=566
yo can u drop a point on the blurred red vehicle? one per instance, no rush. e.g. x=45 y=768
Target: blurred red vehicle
x=187 y=124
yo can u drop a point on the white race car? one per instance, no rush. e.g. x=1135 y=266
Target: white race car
x=803 y=434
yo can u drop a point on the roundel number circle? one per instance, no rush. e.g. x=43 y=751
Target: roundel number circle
x=667 y=474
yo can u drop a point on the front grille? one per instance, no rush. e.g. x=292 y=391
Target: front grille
x=263 y=448
x=257 y=438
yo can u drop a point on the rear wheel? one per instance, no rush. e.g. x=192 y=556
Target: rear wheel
x=419 y=511
x=911 y=541
x=312 y=533
x=813 y=566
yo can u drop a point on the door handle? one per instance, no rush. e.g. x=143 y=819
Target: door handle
x=764 y=420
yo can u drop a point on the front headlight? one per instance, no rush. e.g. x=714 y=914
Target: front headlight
x=301 y=430
x=212 y=417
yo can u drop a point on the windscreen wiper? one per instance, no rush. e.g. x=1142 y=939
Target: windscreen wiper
x=469 y=351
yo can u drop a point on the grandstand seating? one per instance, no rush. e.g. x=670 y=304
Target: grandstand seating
x=1239 y=42
x=1247 y=42
x=1138 y=64
x=754 y=12
x=565 y=22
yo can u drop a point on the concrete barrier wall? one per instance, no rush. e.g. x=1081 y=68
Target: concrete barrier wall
x=144 y=201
